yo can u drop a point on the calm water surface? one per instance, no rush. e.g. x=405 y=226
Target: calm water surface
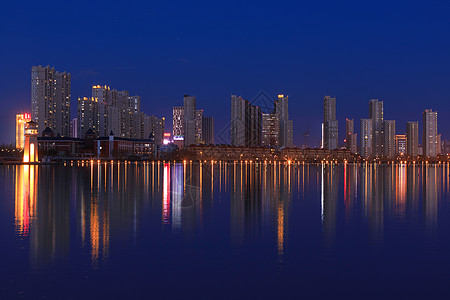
x=224 y=231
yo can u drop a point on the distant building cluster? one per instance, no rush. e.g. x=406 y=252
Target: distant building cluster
x=112 y=119
x=250 y=127
x=378 y=137
x=106 y=110
x=190 y=126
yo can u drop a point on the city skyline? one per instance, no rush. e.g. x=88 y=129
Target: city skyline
x=110 y=111
x=317 y=59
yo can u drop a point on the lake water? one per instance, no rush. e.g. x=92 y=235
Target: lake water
x=224 y=231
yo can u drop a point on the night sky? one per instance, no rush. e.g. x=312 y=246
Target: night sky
x=398 y=52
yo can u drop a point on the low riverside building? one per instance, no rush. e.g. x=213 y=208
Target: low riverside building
x=110 y=147
x=234 y=153
x=113 y=147
x=51 y=145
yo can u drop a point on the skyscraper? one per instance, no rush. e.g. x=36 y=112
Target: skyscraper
x=62 y=100
x=74 y=128
x=246 y=122
x=376 y=115
x=189 y=103
x=429 y=142
x=351 y=137
x=389 y=138
x=87 y=116
x=270 y=130
x=412 y=138
x=366 y=138
x=330 y=124
x=208 y=130
x=50 y=99
x=286 y=125
x=178 y=120
x=199 y=126
x=400 y=144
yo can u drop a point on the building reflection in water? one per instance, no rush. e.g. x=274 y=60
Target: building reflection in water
x=101 y=201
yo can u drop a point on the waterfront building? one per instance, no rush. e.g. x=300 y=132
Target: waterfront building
x=189 y=124
x=178 y=119
x=438 y=144
x=50 y=99
x=412 y=138
x=389 y=138
x=74 y=128
x=88 y=117
x=21 y=121
x=208 y=130
x=330 y=124
x=400 y=144
x=285 y=125
x=155 y=126
x=30 y=150
x=350 y=136
x=366 y=138
x=198 y=126
x=270 y=130
x=246 y=123
x=376 y=115
x=429 y=138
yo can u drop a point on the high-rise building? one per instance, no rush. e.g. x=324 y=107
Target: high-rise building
x=330 y=124
x=389 y=138
x=270 y=130
x=412 y=138
x=400 y=144
x=286 y=125
x=351 y=137
x=366 y=138
x=155 y=126
x=208 y=130
x=87 y=116
x=199 y=126
x=430 y=139
x=74 y=128
x=50 y=99
x=438 y=144
x=246 y=123
x=62 y=100
x=190 y=134
x=376 y=115
x=21 y=121
x=178 y=120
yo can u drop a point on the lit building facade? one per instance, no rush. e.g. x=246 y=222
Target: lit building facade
x=199 y=126
x=412 y=138
x=87 y=116
x=285 y=125
x=21 y=121
x=30 y=150
x=246 y=123
x=366 y=138
x=351 y=137
x=270 y=130
x=376 y=115
x=430 y=136
x=400 y=144
x=178 y=119
x=50 y=99
x=389 y=139
x=330 y=124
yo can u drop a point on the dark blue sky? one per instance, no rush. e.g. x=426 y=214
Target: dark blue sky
x=397 y=51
